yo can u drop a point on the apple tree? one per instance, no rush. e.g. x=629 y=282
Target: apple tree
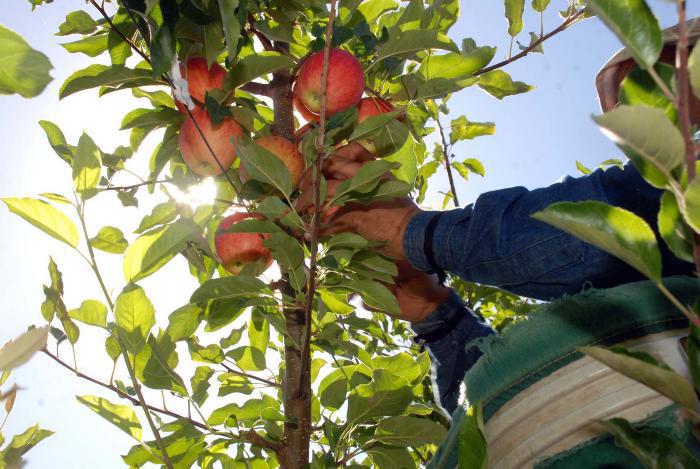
x=306 y=361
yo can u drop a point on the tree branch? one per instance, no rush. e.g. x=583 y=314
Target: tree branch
x=448 y=166
x=134 y=186
x=568 y=22
x=257 y=378
x=260 y=89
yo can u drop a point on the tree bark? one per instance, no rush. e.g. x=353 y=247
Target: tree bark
x=296 y=385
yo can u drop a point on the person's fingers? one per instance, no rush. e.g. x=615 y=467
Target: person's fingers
x=341 y=168
x=353 y=152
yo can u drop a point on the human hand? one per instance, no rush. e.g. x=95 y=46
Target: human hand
x=418 y=293
x=381 y=221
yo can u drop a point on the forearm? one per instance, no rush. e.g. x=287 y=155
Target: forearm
x=495 y=241
x=447 y=334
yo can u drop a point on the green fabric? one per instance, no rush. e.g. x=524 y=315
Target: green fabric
x=530 y=350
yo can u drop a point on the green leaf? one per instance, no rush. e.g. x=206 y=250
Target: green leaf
x=250 y=410
x=462 y=129
x=87 y=167
x=161 y=214
x=265 y=167
x=385 y=457
x=230 y=287
x=648 y=132
x=333 y=389
x=374 y=294
x=184 y=321
x=102 y=75
x=475 y=166
x=135 y=316
x=25 y=71
x=90 y=312
x=248 y=358
x=499 y=84
x=540 y=5
x=336 y=303
x=472 y=443
x=634 y=24
x=409 y=431
x=365 y=180
x=162 y=17
x=402 y=364
x=48 y=219
x=386 y=395
x=77 y=22
x=57 y=141
x=694 y=69
x=18 y=351
x=200 y=384
x=92 y=46
x=647 y=370
x=612 y=229
x=413 y=40
x=154 y=118
x=639 y=87
x=232 y=27
x=582 y=168
x=653 y=448
x=258 y=332
x=121 y=416
x=255 y=66
x=372 y=124
x=110 y=239
x=673 y=229
x=456 y=64
x=112 y=348
x=514 y=15
x=22 y=443
x=289 y=253
x=155 y=365
x=157 y=98
x=152 y=250
x=692 y=205
x=692 y=349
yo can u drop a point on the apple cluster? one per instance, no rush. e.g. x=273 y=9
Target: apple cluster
x=346 y=85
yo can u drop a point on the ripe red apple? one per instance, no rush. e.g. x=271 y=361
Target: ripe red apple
x=285 y=151
x=200 y=79
x=237 y=250
x=369 y=107
x=345 y=82
x=194 y=150
x=305 y=113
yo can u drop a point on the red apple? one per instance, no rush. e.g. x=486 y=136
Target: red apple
x=200 y=79
x=345 y=82
x=194 y=150
x=237 y=250
x=285 y=151
x=369 y=107
x=305 y=113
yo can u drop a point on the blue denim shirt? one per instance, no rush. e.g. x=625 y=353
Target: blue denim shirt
x=496 y=242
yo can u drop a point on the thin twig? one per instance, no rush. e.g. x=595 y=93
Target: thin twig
x=134 y=186
x=257 y=378
x=568 y=22
x=448 y=166
x=318 y=167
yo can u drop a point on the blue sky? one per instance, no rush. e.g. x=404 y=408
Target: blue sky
x=539 y=137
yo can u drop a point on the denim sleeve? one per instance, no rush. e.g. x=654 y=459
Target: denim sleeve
x=447 y=333
x=495 y=241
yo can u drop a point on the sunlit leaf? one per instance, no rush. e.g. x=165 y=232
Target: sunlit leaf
x=472 y=443
x=230 y=287
x=232 y=27
x=612 y=229
x=673 y=229
x=25 y=71
x=77 y=22
x=97 y=75
x=386 y=395
x=499 y=84
x=87 y=167
x=409 y=431
x=134 y=315
x=57 y=141
x=91 y=312
x=184 y=321
x=694 y=69
x=18 y=351
x=109 y=239
x=22 y=443
x=692 y=205
x=413 y=40
x=514 y=15
x=265 y=167
x=462 y=129
x=122 y=416
x=48 y=219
